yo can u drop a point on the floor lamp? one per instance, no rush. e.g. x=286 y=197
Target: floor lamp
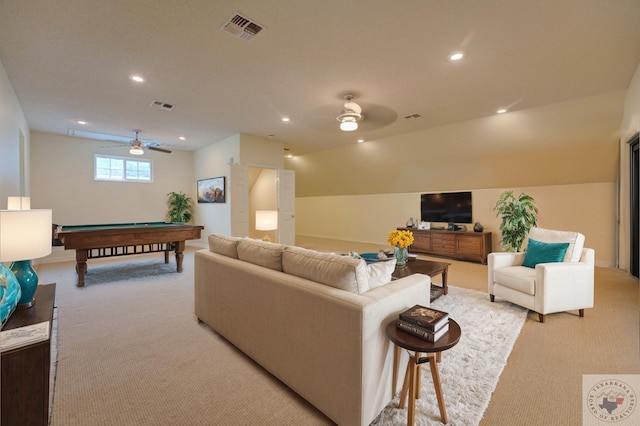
x=25 y=235
x=266 y=220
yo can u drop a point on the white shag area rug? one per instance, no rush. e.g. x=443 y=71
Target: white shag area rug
x=470 y=370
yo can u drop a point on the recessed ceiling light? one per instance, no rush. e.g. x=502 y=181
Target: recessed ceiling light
x=501 y=111
x=182 y=138
x=137 y=78
x=286 y=119
x=456 y=56
x=360 y=140
x=81 y=122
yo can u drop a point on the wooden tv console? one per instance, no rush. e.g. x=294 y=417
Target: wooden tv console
x=461 y=245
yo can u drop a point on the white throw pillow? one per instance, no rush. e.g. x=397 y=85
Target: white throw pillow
x=575 y=240
x=380 y=273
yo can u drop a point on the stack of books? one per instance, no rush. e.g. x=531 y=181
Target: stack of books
x=427 y=323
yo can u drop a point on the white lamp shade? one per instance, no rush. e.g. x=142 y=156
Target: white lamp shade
x=266 y=220
x=24 y=234
x=18 y=203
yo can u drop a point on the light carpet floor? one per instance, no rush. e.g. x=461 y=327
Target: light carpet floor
x=130 y=351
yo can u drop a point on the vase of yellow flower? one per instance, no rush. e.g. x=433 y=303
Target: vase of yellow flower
x=401 y=254
x=400 y=240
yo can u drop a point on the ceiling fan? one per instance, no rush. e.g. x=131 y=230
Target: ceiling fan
x=138 y=146
x=350 y=115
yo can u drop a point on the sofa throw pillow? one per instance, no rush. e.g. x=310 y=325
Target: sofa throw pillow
x=224 y=245
x=343 y=272
x=261 y=253
x=380 y=273
x=575 y=240
x=539 y=252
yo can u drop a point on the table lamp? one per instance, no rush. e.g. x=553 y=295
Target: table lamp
x=25 y=235
x=266 y=220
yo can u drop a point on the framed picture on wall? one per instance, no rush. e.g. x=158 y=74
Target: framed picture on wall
x=211 y=190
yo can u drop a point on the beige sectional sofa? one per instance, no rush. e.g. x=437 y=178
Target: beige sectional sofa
x=314 y=320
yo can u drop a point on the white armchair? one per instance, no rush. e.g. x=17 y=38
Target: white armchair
x=548 y=287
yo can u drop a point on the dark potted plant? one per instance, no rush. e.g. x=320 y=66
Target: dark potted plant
x=179 y=207
x=518 y=215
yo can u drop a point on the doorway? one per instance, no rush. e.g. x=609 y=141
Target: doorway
x=275 y=189
x=635 y=200
x=263 y=195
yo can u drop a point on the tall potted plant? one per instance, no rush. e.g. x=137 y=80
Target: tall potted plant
x=518 y=215
x=179 y=207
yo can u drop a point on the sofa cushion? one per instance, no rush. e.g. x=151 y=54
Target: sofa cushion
x=261 y=253
x=343 y=272
x=224 y=245
x=379 y=273
x=518 y=278
x=539 y=252
x=575 y=240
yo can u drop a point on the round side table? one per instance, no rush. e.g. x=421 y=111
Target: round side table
x=433 y=351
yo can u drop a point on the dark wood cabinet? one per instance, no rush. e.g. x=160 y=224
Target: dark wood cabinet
x=443 y=243
x=25 y=370
x=461 y=245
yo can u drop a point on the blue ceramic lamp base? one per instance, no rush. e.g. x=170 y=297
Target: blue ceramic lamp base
x=10 y=293
x=28 y=280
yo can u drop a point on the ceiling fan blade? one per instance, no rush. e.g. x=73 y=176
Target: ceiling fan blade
x=156 y=148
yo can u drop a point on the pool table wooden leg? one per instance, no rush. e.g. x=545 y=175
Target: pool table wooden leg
x=179 y=254
x=81 y=265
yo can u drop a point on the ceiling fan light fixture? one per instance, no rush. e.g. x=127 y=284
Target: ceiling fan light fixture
x=350 y=115
x=348 y=124
x=136 y=150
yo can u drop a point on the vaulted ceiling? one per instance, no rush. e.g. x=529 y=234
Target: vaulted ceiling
x=71 y=60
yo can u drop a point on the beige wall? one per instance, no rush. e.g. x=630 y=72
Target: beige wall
x=215 y=160
x=13 y=127
x=256 y=151
x=585 y=208
x=62 y=180
x=629 y=127
x=564 y=155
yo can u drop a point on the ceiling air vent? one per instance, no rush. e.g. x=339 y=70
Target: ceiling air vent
x=161 y=105
x=241 y=27
x=413 y=116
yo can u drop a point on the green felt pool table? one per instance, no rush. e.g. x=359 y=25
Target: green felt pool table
x=121 y=239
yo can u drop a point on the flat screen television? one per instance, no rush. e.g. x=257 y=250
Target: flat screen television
x=449 y=207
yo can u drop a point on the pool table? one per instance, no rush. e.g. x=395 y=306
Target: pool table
x=122 y=239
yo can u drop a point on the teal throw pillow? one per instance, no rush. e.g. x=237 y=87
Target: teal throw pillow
x=539 y=252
